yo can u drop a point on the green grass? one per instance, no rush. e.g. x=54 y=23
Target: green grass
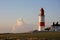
x=49 y=35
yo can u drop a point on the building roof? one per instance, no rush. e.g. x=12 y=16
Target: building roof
x=56 y=24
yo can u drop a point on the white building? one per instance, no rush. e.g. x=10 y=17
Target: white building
x=56 y=27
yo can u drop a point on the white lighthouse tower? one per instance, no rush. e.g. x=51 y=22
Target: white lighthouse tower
x=41 y=20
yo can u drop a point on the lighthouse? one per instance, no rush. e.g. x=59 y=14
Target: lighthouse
x=41 y=20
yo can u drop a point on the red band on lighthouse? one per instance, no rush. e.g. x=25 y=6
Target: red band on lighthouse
x=42 y=23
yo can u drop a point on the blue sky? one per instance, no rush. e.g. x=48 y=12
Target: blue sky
x=11 y=10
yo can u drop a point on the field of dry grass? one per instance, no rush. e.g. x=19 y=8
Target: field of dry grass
x=39 y=35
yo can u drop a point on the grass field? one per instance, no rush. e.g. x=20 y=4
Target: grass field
x=39 y=35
